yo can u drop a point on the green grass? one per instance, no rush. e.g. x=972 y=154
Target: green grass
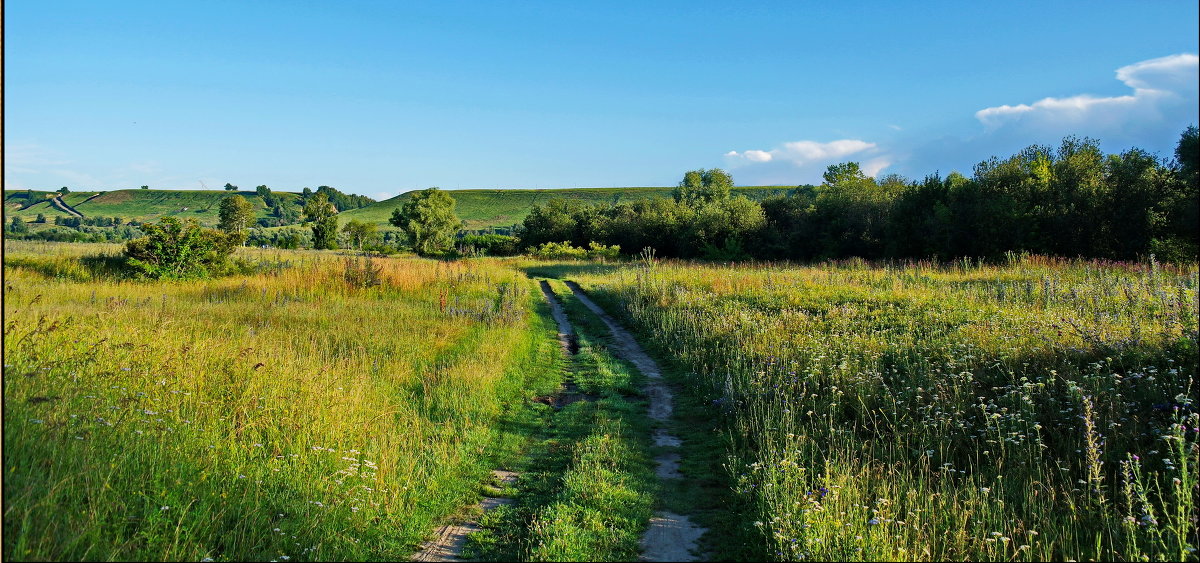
x=586 y=490
x=1038 y=410
x=481 y=209
x=283 y=413
x=140 y=205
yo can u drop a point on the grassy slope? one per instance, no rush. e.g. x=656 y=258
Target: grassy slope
x=143 y=205
x=479 y=208
x=502 y=208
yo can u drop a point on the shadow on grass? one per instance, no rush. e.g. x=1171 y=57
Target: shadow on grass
x=82 y=269
x=569 y=269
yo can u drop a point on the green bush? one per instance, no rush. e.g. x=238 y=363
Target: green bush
x=491 y=244
x=558 y=251
x=177 y=250
x=597 y=251
x=564 y=251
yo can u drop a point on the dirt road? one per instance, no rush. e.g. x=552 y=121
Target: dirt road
x=670 y=537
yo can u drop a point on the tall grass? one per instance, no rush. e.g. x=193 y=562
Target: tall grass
x=286 y=414
x=1039 y=410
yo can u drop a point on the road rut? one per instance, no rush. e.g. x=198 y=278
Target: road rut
x=670 y=537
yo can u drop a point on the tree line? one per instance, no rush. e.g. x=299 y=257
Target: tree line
x=1072 y=200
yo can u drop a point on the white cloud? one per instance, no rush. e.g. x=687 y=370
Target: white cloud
x=1161 y=87
x=1174 y=73
x=801 y=153
x=876 y=165
x=803 y=161
x=757 y=156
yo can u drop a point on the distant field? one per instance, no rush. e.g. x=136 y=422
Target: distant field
x=143 y=205
x=479 y=208
x=502 y=208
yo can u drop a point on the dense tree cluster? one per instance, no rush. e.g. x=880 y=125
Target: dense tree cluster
x=1070 y=201
x=342 y=201
x=76 y=222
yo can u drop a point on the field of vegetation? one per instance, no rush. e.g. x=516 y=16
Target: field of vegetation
x=1038 y=410
x=316 y=408
x=312 y=405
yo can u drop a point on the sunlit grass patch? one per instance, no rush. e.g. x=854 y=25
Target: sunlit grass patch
x=929 y=412
x=284 y=413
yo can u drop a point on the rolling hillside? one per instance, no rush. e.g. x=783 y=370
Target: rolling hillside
x=141 y=205
x=481 y=209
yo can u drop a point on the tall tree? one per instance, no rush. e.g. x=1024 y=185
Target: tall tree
x=235 y=216
x=429 y=220
x=359 y=232
x=324 y=221
x=699 y=186
x=1186 y=223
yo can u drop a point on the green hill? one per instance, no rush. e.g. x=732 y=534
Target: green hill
x=481 y=209
x=141 y=205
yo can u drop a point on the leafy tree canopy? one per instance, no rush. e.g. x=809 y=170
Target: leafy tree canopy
x=429 y=220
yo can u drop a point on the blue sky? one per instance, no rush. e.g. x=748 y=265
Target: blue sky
x=379 y=98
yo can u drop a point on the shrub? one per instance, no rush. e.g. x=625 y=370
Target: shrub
x=173 y=249
x=490 y=244
x=564 y=251
x=558 y=251
x=362 y=272
x=597 y=251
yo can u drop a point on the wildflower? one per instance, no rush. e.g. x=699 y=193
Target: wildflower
x=164 y=508
x=873 y=521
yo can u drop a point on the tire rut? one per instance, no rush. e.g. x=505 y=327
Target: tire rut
x=670 y=536
x=450 y=539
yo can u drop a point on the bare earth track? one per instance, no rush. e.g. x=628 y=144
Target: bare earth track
x=62 y=206
x=670 y=537
x=449 y=539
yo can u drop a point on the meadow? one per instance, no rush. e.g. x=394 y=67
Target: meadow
x=320 y=406
x=1036 y=410
x=283 y=414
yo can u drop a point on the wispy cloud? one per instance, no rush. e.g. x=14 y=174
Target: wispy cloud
x=798 y=161
x=1161 y=88
x=802 y=153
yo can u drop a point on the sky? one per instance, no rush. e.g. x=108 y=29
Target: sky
x=379 y=98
